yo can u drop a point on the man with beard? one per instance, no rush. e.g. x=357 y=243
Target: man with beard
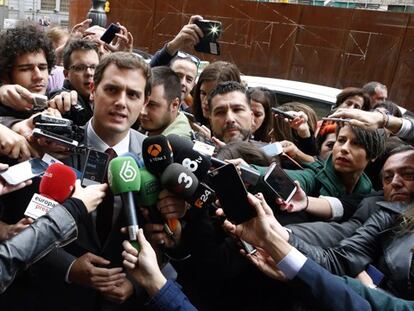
x=231 y=116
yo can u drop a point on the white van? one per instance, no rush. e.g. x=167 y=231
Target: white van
x=319 y=97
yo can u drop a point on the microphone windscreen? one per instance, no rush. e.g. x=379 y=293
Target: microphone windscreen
x=179 y=180
x=58 y=182
x=137 y=159
x=150 y=188
x=123 y=175
x=191 y=159
x=157 y=154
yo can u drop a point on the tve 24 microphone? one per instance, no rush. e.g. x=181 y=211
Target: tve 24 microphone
x=157 y=154
x=55 y=187
x=185 y=184
x=124 y=179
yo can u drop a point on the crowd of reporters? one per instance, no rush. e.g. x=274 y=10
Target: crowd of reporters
x=151 y=226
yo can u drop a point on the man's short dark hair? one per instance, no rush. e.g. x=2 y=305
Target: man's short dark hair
x=372 y=141
x=400 y=149
x=77 y=45
x=165 y=76
x=123 y=60
x=228 y=87
x=370 y=87
x=23 y=39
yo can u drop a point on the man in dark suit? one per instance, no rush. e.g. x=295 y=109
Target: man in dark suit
x=88 y=274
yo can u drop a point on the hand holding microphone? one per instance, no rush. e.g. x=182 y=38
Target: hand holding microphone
x=91 y=196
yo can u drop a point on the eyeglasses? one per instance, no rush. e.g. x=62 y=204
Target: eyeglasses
x=184 y=55
x=82 y=67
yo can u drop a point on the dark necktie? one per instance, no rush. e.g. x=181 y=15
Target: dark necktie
x=105 y=210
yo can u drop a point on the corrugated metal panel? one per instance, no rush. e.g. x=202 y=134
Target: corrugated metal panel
x=328 y=46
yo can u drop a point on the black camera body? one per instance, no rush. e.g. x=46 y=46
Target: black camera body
x=78 y=114
x=59 y=126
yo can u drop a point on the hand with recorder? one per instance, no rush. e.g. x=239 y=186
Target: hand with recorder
x=298 y=121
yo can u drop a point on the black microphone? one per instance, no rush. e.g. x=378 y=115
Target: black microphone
x=182 y=182
x=190 y=158
x=184 y=154
x=157 y=154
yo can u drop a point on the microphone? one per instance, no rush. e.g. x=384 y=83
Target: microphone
x=148 y=197
x=191 y=159
x=199 y=163
x=55 y=187
x=179 y=180
x=124 y=178
x=182 y=182
x=157 y=154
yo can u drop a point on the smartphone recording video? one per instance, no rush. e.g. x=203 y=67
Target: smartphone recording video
x=95 y=168
x=232 y=193
x=23 y=171
x=110 y=32
x=279 y=182
x=212 y=32
x=282 y=113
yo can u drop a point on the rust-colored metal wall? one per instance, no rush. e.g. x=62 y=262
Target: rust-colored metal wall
x=329 y=46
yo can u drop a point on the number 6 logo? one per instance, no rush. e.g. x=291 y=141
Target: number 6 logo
x=187 y=180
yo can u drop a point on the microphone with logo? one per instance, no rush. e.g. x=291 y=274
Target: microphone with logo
x=184 y=154
x=192 y=157
x=56 y=186
x=197 y=163
x=124 y=179
x=157 y=154
x=182 y=182
x=148 y=195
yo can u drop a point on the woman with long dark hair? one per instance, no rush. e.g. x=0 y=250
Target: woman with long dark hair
x=262 y=100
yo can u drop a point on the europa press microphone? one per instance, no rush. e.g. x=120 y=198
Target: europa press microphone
x=55 y=187
x=124 y=179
